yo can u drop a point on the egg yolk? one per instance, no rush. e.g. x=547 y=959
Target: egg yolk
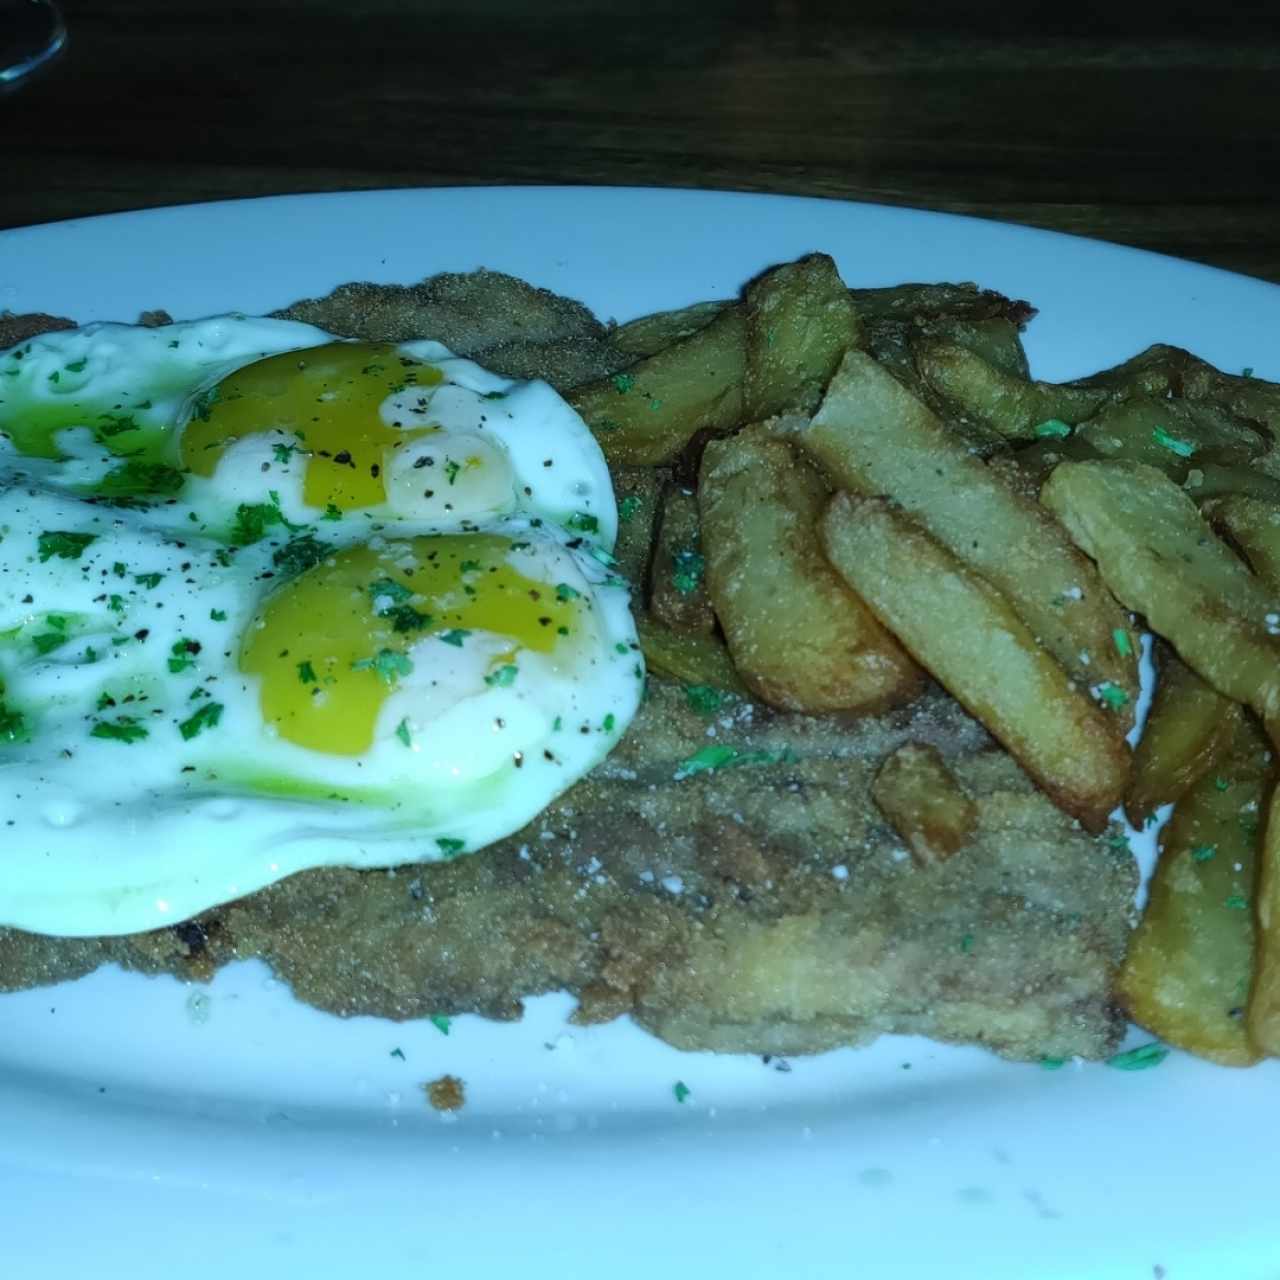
x=334 y=643
x=326 y=401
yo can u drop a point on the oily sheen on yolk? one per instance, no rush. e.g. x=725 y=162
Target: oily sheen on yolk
x=332 y=644
x=326 y=401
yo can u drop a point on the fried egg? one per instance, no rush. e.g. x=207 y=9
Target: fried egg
x=272 y=600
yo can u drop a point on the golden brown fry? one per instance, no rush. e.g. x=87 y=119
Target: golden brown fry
x=637 y=490
x=1002 y=401
x=1189 y=728
x=1264 y=997
x=800 y=320
x=968 y=636
x=648 y=335
x=1187 y=973
x=799 y=637
x=687 y=656
x=1160 y=557
x=996 y=339
x=924 y=803
x=1254 y=526
x=677 y=588
x=1173 y=435
x=650 y=411
x=1208 y=480
x=872 y=436
x=1157 y=371
x=1040 y=458
x=909 y=302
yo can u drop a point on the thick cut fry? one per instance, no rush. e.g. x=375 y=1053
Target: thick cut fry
x=1173 y=435
x=1004 y=402
x=995 y=339
x=637 y=490
x=677 y=586
x=1157 y=371
x=1208 y=480
x=687 y=656
x=648 y=335
x=929 y=301
x=1160 y=557
x=1264 y=998
x=1040 y=458
x=924 y=803
x=650 y=411
x=799 y=637
x=1254 y=526
x=1189 y=728
x=872 y=436
x=958 y=627
x=1186 y=976
x=800 y=322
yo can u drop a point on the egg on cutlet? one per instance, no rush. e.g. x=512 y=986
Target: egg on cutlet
x=272 y=600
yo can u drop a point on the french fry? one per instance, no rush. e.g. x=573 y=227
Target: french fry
x=1157 y=371
x=677 y=587
x=637 y=490
x=872 y=436
x=1254 y=526
x=1189 y=728
x=996 y=339
x=650 y=411
x=963 y=631
x=800 y=639
x=910 y=302
x=1160 y=558
x=924 y=803
x=1264 y=997
x=800 y=320
x=1173 y=435
x=1012 y=406
x=648 y=335
x=1187 y=973
x=688 y=656
x=1208 y=480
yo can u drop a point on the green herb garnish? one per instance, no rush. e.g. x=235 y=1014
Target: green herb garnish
x=1052 y=428
x=1183 y=448
x=402 y=732
x=124 y=729
x=628 y=507
x=148 y=580
x=440 y=1022
x=206 y=717
x=300 y=554
x=565 y=593
x=387 y=663
x=1203 y=852
x=681 y=1091
x=63 y=544
x=306 y=673
x=1123 y=645
x=705 y=699
x=583 y=522
x=1112 y=695
x=686 y=572
x=725 y=757
x=1140 y=1059
x=504 y=676
x=449 y=846
x=182 y=654
x=454 y=637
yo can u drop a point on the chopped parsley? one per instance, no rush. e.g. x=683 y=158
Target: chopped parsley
x=206 y=717
x=1052 y=1064
x=306 y=673
x=705 y=699
x=13 y=724
x=722 y=756
x=451 y=469
x=402 y=732
x=623 y=382
x=565 y=593
x=113 y=424
x=284 y=452
x=387 y=663
x=124 y=729
x=504 y=676
x=148 y=580
x=583 y=522
x=218 y=615
x=440 y=1022
x=77 y=366
x=454 y=637
x=1123 y=645
x=1142 y=1058
x=182 y=654
x=681 y=1091
x=609 y=723
x=494 y=395
x=1203 y=852
x=1183 y=448
x=449 y=846
x=137 y=479
x=398 y=1053
x=1221 y=784
x=966 y=943
x=202 y=405
x=48 y=641
x=1112 y=695
x=300 y=554
x=253 y=519
x=1236 y=902
x=628 y=507
x=1053 y=428
x=62 y=544
x=686 y=571
x=331 y=513
x=388 y=589
x=404 y=617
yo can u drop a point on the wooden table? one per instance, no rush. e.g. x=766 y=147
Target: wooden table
x=1160 y=133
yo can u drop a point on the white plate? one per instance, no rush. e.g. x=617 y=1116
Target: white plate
x=149 y=1127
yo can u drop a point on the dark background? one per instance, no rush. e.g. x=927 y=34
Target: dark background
x=1149 y=127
